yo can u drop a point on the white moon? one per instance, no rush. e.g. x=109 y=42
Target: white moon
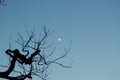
x=59 y=40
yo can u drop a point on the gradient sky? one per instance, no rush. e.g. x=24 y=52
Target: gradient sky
x=92 y=25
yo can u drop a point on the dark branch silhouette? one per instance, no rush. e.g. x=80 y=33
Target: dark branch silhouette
x=22 y=58
x=34 y=63
x=10 y=69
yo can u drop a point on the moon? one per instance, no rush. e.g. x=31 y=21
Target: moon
x=59 y=39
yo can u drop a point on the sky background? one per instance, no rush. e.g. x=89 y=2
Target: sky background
x=92 y=25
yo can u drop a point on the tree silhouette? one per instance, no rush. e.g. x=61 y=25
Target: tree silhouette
x=30 y=59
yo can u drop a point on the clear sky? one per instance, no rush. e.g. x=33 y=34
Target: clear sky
x=92 y=25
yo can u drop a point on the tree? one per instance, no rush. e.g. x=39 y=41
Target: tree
x=29 y=60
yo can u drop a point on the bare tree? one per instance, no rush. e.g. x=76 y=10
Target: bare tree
x=30 y=59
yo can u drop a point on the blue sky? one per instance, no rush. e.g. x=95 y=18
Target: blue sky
x=92 y=25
